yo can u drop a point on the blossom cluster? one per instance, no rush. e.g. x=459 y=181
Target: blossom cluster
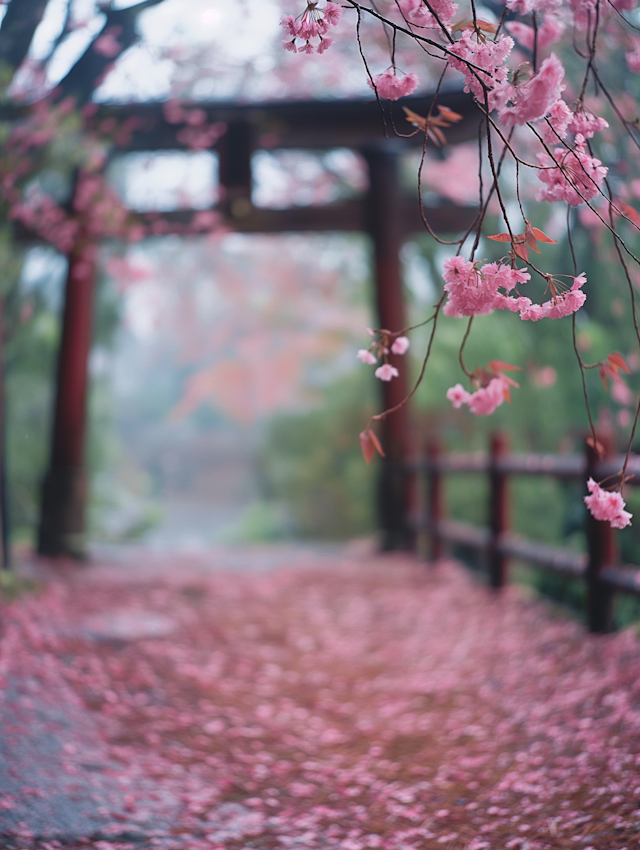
x=574 y=176
x=484 y=400
x=607 y=506
x=475 y=291
x=390 y=86
x=482 y=62
x=311 y=28
x=417 y=12
x=386 y=344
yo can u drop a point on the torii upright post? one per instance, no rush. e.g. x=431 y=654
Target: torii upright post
x=234 y=149
x=385 y=227
x=64 y=491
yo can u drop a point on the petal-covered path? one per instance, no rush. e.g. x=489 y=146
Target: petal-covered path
x=281 y=698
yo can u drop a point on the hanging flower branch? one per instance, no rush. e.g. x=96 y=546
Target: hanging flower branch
x=542 y=123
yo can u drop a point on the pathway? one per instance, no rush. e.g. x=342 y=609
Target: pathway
x=299 y=698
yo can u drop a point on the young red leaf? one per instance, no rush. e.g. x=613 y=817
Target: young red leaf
x=449 y=114
x=367 y=446
x=603 y=376
x=500 y=237
x=542 y=237
x=530 y=239
x=630 y=213
x=617 y=361
x=415 y=119
x=597 y=446
x=485 y=26
x=522 y=251
x=437 y=136
x=501 y=366
x=612 y=372
x=376 y=443
x=461 y=24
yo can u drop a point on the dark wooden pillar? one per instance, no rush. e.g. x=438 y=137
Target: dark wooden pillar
x=234 y=150
x=5 y=548
x=385 y=227
x=64 y=491
x=602 y=550
x=435 y=499
x=498 y=510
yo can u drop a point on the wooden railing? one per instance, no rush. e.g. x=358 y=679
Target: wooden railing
x=597 y=566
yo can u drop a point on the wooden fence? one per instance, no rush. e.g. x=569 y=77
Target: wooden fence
x=597 y=567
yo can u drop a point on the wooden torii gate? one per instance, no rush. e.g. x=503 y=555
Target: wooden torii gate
x=386 y=213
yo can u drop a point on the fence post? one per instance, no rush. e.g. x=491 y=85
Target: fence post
x=434 y=500
x=498 y=510
x=602 y=551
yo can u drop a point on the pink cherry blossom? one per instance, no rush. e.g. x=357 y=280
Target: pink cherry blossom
x=557 y=123
x=332 y=14
x=400 y=345
x=562 y=304
x=312 y=24
x=576 y=178
x=489 y=56
x=484 y=400
x=391 y=87
x=535 y=98
x=549 y=31
x=366 y=356
x=472 y=291
x=607 y=506
x=290 y=25
x=584 y=12
x=386 y=372
x=458 y=396
x=468 y=296
x=417 y=13
x=586 y=124
x=498 y=275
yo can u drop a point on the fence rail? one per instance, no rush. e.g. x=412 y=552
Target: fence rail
x=597 y=567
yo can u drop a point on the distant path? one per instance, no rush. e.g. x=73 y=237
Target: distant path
x=319 y=697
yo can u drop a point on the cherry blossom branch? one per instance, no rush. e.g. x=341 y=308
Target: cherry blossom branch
x=382 y=416
x=508 y=98
x=623 y=473
x=462 y=347
x=585 y=392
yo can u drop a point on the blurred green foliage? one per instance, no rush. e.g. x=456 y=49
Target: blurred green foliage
x=312 y=463
x=30 y=367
